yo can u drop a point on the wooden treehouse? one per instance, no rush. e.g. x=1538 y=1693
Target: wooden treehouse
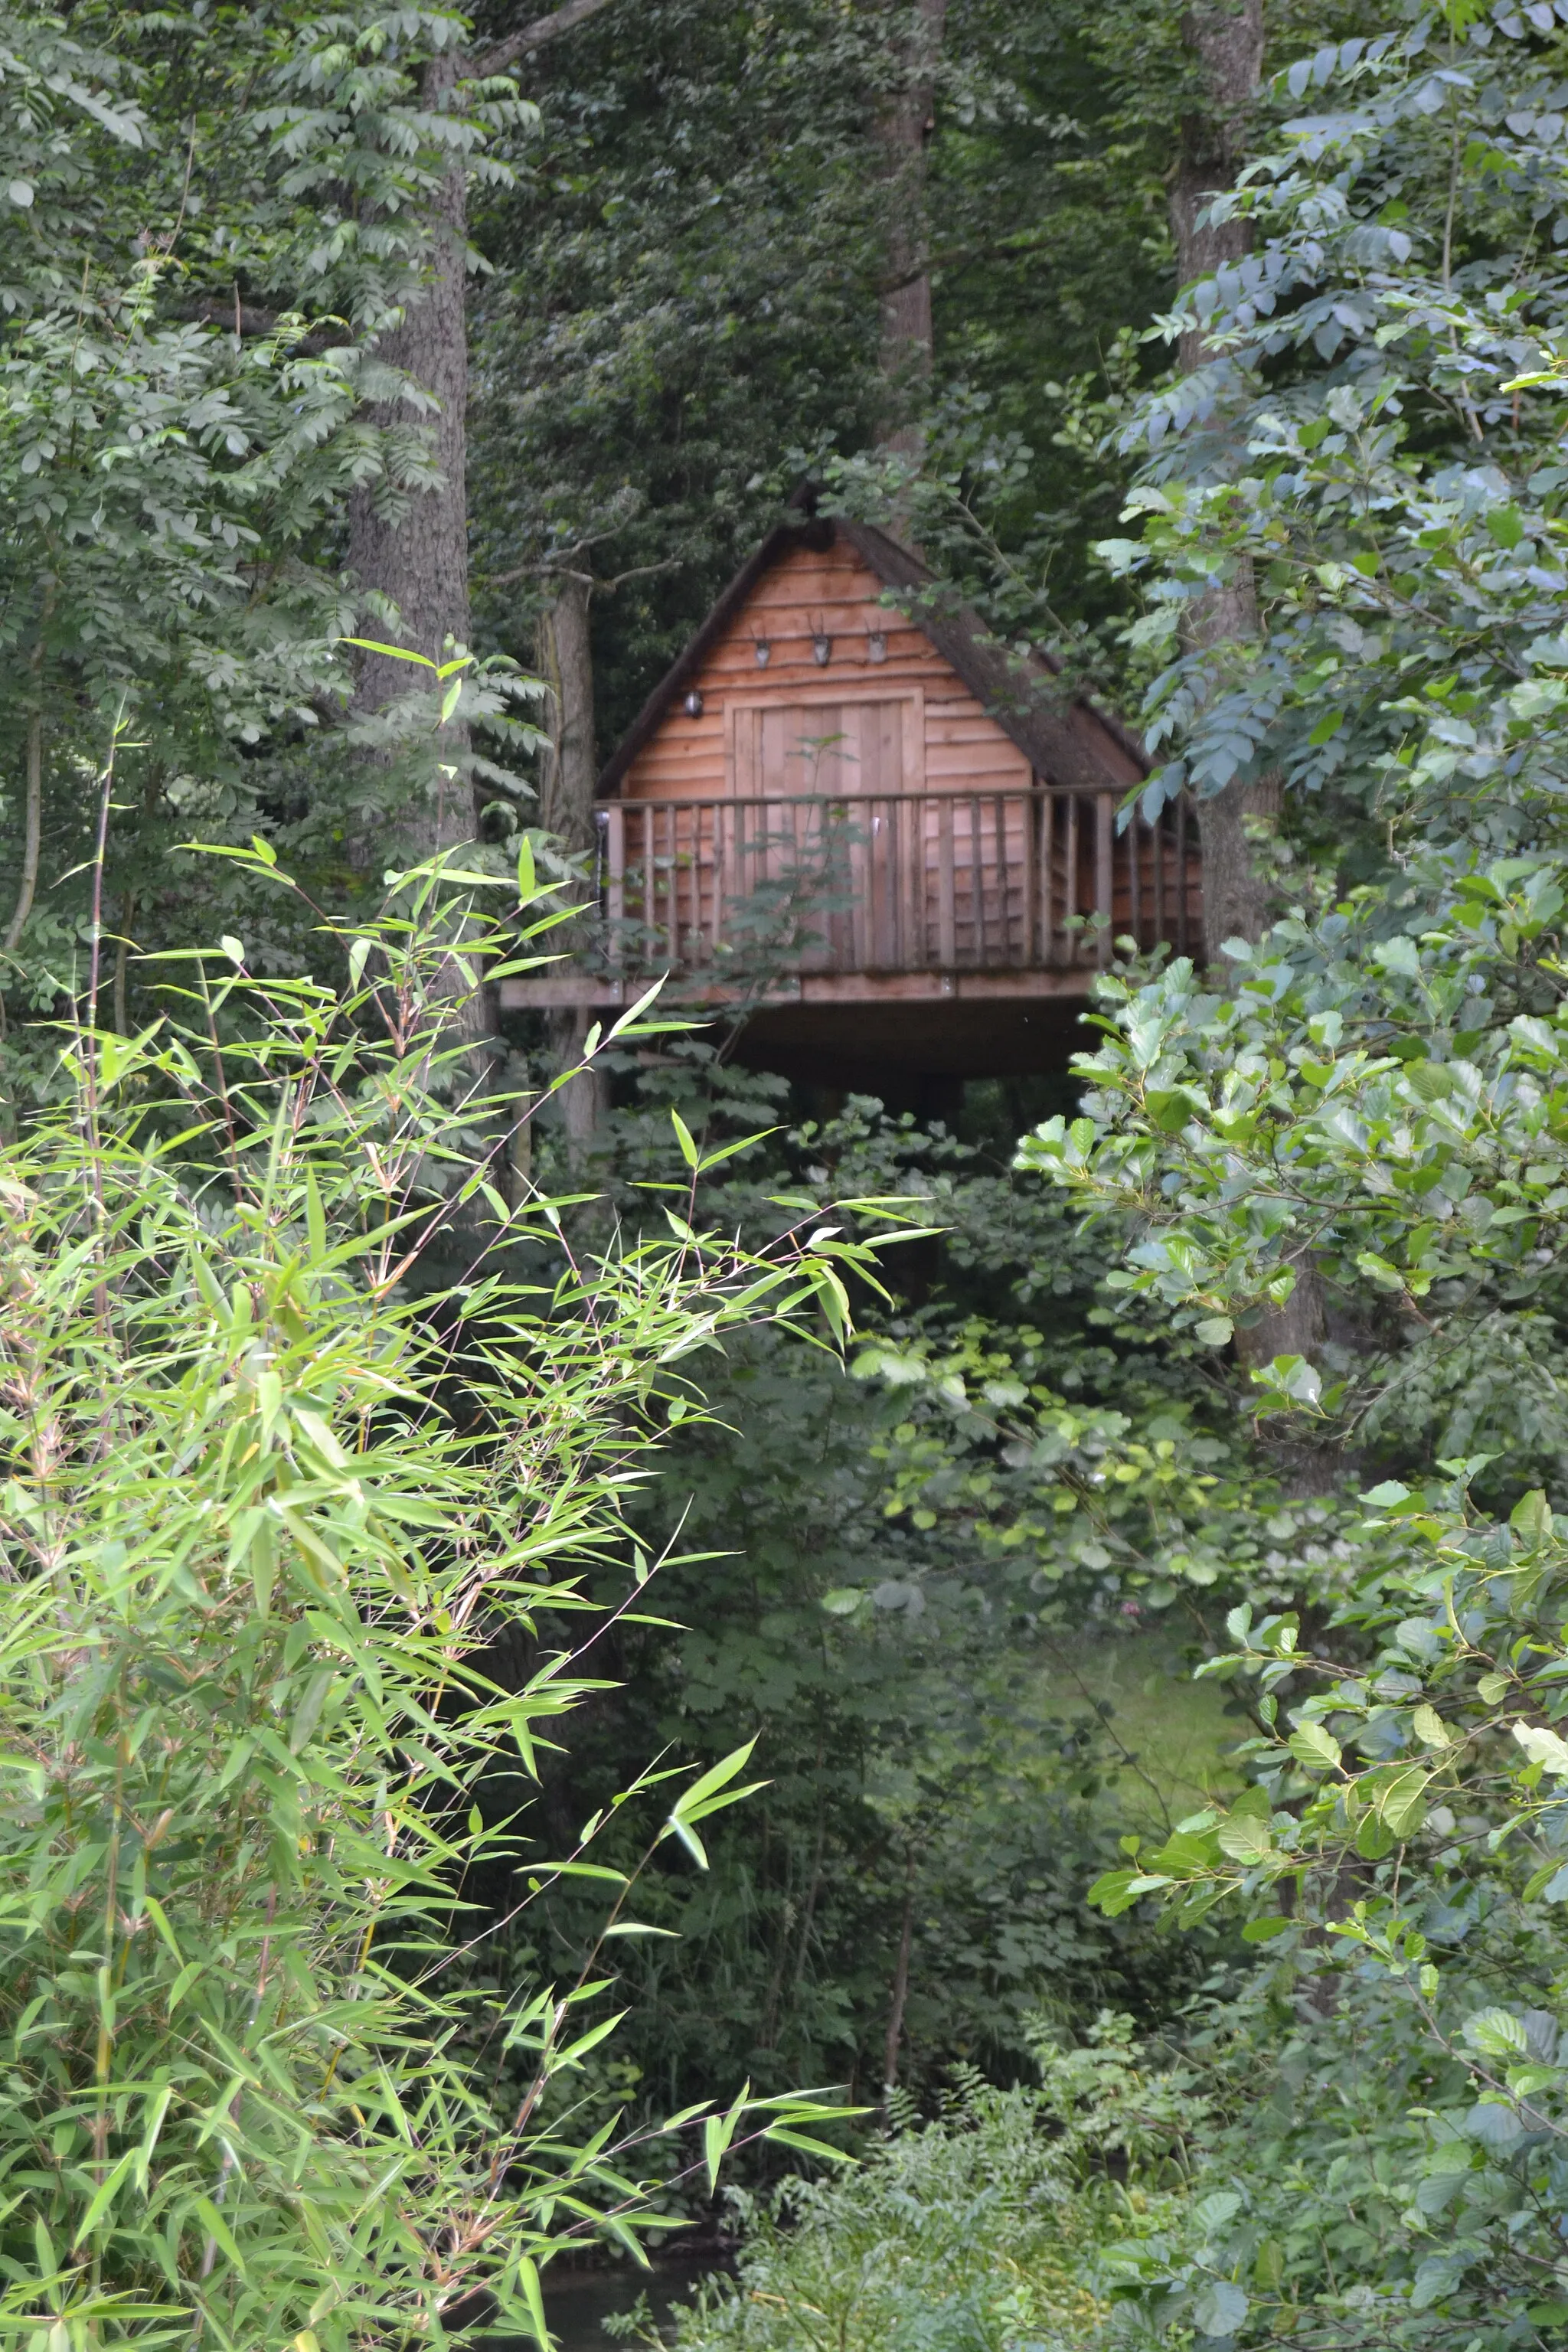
x=875 y=839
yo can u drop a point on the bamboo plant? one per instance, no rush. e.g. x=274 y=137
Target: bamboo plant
x=269 y=1499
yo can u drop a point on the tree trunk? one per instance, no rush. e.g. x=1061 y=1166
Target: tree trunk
x=569 y=772
x=571 y=767
x=420 y=559
x=905 y=133
x=900 y=1983
x=1228 y=47
x=1228 y=50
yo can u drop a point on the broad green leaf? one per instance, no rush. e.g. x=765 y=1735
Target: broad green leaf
x=1219 y=2308
x=1400 y=1804
x=1544 y=1746
x=1311 y=1744
x=1264 y=1931
x=1496 y=2032
x=1245 y=1839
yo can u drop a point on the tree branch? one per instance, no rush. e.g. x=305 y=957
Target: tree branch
x=548 y=569
x=536 y=36
x=249 y=319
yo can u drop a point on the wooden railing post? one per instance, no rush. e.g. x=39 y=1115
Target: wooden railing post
x=918 y=881
x=611 y=826
x=1104 y=844
x=947 y=921
x=913 y=943
x=1070 y=908
x=720 y=868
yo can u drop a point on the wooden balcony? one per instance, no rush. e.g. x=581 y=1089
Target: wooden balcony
x=876 y=897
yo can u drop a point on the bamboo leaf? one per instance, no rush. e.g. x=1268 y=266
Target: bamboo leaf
x=217 y=2230
x=529 y=2276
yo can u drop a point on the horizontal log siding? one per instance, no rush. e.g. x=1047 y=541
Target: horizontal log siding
x=833 y=592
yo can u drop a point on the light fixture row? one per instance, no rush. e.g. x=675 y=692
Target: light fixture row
x=821 y=654
x=822 y=648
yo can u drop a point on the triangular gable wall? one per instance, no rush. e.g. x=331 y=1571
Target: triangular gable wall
x=984 y=720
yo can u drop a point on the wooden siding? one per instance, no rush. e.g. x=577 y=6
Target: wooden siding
x=812 y=593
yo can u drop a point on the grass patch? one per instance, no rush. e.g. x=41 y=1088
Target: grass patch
x=1177 y=1734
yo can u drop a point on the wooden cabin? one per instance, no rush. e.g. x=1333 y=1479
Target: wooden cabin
x=851 y=819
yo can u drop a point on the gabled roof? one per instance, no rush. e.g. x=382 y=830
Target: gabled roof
x=1023 y=697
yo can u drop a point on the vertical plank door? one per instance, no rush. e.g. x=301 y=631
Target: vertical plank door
x=826 y=776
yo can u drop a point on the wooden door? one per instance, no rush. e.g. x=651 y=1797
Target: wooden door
x=840 y=826
x=824 y=745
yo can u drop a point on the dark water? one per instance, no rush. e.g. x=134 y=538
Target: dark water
x=577 y=2302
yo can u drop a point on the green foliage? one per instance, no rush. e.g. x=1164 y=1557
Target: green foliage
x=1356 y=440
x=1405 y=1807
x=1380 y=1088
x=900 y=1576
x=210 y=218
x=884 y=1587
x=984 y=2227
x=1372 y=1103
x=268 y=1509
x=1345 y=2195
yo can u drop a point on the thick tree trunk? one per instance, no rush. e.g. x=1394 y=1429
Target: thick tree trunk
x=905 y=133
x=420 y=558
x=1236 y=896
x=585 y=1098
x=1228 y=46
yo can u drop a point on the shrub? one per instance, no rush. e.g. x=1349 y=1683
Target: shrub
x=977 y=2232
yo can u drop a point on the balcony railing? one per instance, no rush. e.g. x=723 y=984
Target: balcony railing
x=891 y=882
